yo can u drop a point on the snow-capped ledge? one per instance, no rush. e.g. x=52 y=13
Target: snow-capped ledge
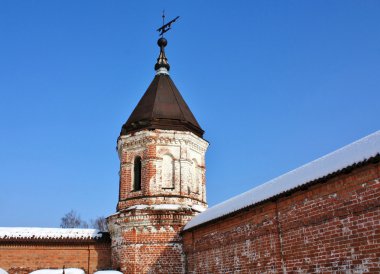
x=48 y=233
x=198 y=208
x=58 y=271
x=353 y=153
x=174 y=207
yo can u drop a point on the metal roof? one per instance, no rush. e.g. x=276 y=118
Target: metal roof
x=162 y=107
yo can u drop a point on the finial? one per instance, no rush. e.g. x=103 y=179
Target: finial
x=162 y=66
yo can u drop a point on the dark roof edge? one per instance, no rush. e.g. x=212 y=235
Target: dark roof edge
x=372 y=160
x=164 y=124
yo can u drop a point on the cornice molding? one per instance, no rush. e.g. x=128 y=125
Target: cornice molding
x=161 y=137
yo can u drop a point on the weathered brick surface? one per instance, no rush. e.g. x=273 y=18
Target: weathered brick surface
x=24 y=257
x=330 y=227
x=146 y=239
x=187 y=184
x=149 y=241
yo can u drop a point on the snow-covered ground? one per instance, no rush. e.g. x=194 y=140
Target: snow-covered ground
x=58 y=271
x=108 y=272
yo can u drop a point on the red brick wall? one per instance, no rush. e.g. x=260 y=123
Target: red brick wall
x=332 y=226
x=25 y=257
x=148 y=241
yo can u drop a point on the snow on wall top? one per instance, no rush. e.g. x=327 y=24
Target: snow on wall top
x=355 y=152
x=59 y=271
x=48 y=233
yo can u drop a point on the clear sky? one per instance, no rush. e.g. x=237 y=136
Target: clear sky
x=275 y=84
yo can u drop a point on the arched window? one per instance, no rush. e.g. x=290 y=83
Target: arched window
x=137 y=174
x=167 y=171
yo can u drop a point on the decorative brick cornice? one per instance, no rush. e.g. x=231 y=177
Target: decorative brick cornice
x=161 y=137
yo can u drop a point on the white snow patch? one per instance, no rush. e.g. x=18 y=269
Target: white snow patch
x=167 y=207
x=198 y=208
x=108 y=272
x=2 y=271
x=355 y=152
x=59 y=271
x=159 y=207
x=48 y=233
x=138 y=207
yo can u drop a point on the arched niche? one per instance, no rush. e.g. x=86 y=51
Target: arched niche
x=167 y=171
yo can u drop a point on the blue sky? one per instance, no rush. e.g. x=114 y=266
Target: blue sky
x=275 y=84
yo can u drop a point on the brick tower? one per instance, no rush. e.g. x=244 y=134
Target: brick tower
x=162 y=179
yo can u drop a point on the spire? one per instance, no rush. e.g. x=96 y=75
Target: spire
x=162 y=66
x=162 y=105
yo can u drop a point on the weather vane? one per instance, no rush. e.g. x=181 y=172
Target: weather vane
x=165 y=27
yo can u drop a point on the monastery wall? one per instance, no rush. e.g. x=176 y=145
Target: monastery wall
x=330 y=226
x=22 y=257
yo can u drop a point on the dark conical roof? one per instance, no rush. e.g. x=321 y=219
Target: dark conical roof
x=162 y=107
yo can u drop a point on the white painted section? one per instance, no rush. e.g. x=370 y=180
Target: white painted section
x=2 y=271
x=162 y=71
x=48 y=233
x=167 y=171
x=355 y=152
x=59 y=271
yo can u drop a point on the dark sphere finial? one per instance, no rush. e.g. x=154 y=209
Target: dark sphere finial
x=162 y=42
x=162 y=61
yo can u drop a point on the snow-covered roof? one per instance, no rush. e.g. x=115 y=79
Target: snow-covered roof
x=355 y=152
x=58 y=271
x=48 y=233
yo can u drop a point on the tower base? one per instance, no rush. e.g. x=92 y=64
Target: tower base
x=146 y=239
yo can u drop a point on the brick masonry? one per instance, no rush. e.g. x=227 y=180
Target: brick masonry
x=22 y=257
x=329 y=227
x=145 y=237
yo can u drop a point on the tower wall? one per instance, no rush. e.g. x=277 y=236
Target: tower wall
x=145 y=231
